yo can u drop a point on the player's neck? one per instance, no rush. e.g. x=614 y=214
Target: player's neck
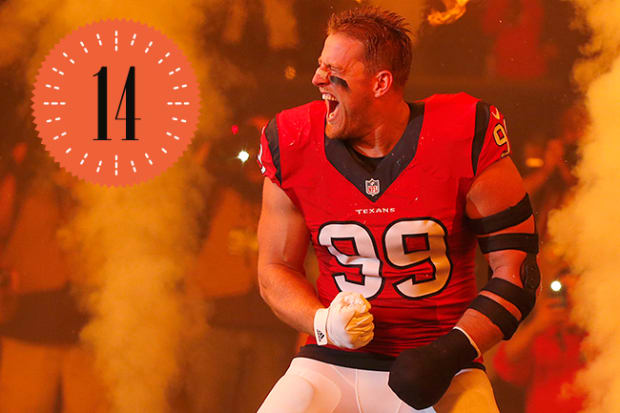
x=389 y=125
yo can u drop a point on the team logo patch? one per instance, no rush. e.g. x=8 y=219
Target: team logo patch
x=372 y=187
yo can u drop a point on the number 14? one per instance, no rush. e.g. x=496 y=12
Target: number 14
x=129 y=93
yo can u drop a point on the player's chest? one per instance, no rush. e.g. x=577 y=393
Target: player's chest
x=419 y=190
x=404 y=233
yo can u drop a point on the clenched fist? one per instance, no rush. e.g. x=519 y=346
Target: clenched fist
x=347 y=323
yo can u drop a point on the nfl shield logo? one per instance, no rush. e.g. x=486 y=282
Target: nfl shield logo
x=372 y=187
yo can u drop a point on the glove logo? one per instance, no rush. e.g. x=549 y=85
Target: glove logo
x=320 y=335
x=116 y=102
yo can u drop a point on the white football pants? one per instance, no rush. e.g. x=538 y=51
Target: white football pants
x=312 y=386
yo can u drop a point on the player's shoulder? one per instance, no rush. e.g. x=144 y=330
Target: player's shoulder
x=462 y=107
x=302 y=116
x=297 y=124
x=460 y=100
x=304 y=112
x=475 y=122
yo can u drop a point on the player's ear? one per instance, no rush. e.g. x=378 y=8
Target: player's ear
x=383 y=83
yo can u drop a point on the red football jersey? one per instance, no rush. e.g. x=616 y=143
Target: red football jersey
x=396 y=235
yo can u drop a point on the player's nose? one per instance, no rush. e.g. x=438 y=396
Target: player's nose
x=321 y=77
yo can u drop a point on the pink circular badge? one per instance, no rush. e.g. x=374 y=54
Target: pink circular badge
x=116 y=103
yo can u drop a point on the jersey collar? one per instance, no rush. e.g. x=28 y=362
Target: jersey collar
x=374 y=184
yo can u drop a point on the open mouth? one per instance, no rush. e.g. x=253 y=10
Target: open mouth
x=331 y=104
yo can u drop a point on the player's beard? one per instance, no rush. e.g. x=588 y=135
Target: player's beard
x=335 y=127
x=347 y=123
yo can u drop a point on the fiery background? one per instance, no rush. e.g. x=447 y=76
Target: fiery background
x=160 y=291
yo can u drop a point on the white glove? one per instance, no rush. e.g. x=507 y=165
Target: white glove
x=346 y=323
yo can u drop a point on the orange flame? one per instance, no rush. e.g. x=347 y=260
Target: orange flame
x=454 y=10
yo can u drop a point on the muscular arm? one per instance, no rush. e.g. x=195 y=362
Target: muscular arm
x=420 y=376
x=497 y=188
x=283 y=240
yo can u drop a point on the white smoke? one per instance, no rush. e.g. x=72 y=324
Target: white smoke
x=137 y=243
x=586 y=228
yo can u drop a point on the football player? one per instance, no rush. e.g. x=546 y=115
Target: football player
x=392 y=195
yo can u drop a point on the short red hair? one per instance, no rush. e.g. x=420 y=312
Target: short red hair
x=385 y=36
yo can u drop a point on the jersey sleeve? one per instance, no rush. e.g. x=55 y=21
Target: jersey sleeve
x=490 y=142
x=269 y=153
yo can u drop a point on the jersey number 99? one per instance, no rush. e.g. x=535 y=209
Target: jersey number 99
x=397 y=254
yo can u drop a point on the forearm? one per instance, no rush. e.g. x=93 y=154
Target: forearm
x=480 y=330
x=290 y=295
x=283 y=242
x=479 y=327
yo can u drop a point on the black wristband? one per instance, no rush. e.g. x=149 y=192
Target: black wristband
x=523 y=242
x=520 y=298
x=498 y=315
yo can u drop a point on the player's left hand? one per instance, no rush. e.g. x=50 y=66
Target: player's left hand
x=420 y=376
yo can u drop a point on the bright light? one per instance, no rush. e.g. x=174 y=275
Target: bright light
x=556 y=286
x=243 y=156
